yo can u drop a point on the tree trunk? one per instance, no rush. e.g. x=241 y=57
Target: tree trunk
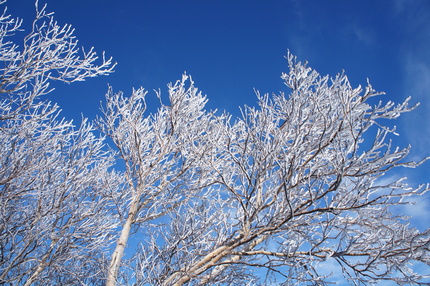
x=120 y=246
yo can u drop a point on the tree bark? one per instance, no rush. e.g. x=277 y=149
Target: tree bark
x=120 y=245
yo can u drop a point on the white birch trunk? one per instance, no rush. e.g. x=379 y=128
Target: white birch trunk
x=120 y=246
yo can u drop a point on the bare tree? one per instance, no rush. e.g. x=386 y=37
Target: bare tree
x=294 y=184
x=297 y=185
x=55 y=217
x=162 y=154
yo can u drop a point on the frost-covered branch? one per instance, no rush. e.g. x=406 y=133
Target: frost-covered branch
x=162 y=154
x=48 y=52
x=55 y=182
x=183 y=195
x=298 y=186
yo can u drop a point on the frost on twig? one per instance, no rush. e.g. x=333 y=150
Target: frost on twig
x=48 y=52
x=292 y=192
x=55 y=178
x=295 y=188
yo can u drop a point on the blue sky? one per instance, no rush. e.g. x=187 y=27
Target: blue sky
x=232 y=47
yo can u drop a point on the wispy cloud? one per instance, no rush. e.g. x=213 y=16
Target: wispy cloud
x=414 y=16
x=418 y=210
x=362 y=35
x=417 y=84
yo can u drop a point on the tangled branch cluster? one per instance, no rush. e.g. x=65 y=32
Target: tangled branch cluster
x=183 y=195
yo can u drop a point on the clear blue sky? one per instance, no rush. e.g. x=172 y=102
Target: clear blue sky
x=231 y=47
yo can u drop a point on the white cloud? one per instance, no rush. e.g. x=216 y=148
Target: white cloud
x=419 y=211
